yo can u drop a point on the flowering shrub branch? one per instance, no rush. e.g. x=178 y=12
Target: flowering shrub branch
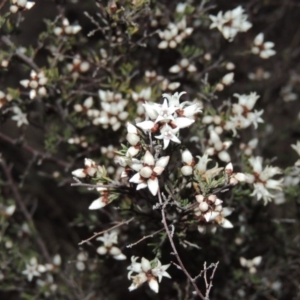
x=174 y=121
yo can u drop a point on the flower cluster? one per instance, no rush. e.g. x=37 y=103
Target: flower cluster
x=183 y=65
x=261 y=179
x=231 y=22
x=36 y=83
x=225 y=81
x=147 y=271
x=164 y=83
x=21 y=5
x=34 y=269
x=78 y=140
x=140 y=98
x=90 y=169
x=217 y=147
x=168 y=118
x=78 y=66
x=66 y=28
x=174 y=34
x=242 y=115
x=147 y=172
x=109 y=239
x=210 y=210
x=113 y=111
x=251 y=264
x=261 y=48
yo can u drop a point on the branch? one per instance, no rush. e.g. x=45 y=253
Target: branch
x=34 y=151
x=2 y=3
x=20 y=55
x=209 y=285
x=145 y=237
x=109 y=229
x=27 y=215
x=175 y=252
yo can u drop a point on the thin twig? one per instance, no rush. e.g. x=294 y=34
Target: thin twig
x=145 y=237
x=20 y=55
x=34 y=151
x=109 y=229
x=27 y=215
x=210 y=285
x=175 y=252
x=2 y=3
x=94 y=186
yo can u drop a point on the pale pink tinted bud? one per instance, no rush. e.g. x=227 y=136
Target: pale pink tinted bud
x=199 y=198
x=228 y=78
x=187 y=157
x=146 y=172
x=79 y=173
x=149 y=159
x=203 y=206
x=187 y=170
x=132 y=138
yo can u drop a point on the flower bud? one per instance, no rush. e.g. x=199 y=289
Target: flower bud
x=187 y=157
x=187 y=170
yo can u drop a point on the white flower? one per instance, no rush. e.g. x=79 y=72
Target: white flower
x=33 y=269
x=251 y=264
x=174 y=34
x=90 y=169
x=21 y=5
x=263 y=49
x=184 y=64
x=147 y=272
x=109 y=239
x=78 y=66
x=201 y=166
x=36 y=84
x=261 y=179
x=211 y=212
x=19 y=117
x=147 y=172
x=232 y=22
x=234 y=178
x=67 y=28
x=168 y=134
x=169 y=117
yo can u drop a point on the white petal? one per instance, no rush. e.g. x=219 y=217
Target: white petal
x=257 y=260
x=163 y=45
x=226 y=224
x=79 y=173
x=146 y=125
x=163 y=161
x=259 y=39
x=175 y=69
x=98 y=203
x=149 y=159
x=146 y=266
x=101 y=250
x=136 y=178
x=183 y=122
x=121 y=256
x=153 y=284
x=141 y=186
x=153 y=186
